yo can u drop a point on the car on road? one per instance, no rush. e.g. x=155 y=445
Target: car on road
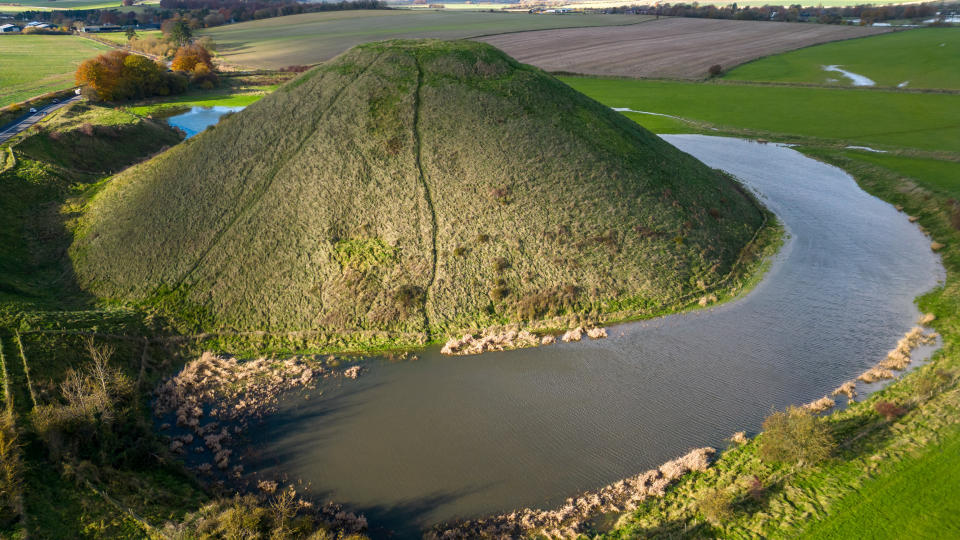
x=32 y=109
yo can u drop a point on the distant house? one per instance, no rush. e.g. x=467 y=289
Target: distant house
x=9 y=28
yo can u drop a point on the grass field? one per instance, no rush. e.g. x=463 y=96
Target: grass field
x=868 y=117
x=50 y=5
x=940 y=175
x=120 y=38
x=923 y=58
x=929 y=510
x=316 y=37
x=34 y=65
x=669 y=48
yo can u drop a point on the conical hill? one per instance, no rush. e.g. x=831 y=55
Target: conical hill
x=409 y=189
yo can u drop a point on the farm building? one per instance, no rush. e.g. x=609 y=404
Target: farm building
x=9 y=28
x=92 y=29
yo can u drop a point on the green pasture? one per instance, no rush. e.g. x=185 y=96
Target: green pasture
x=50 y=5
x=120 y=38
x=921 y=58
x=926 y=121
x=314 y=37
x=34 y=65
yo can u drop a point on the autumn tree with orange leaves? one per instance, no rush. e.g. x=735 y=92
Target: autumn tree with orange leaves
x=119 y=75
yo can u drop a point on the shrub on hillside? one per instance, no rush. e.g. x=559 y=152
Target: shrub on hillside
x=795 y=436
x=715 y=70
x=190 y=56
x=932 y=382
x=716 y=505
x=96 y=418
x=119 y=75
x=889 y=410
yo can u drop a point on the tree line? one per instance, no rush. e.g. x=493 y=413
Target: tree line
x=198 y=13
x=867 y=13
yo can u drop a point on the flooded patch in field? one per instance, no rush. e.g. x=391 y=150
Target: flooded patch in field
x=624 y=109
x=865 y=149
x=198 y=119
x=413 y=443
x=855 y=79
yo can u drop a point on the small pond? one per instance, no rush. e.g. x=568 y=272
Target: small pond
x=198 y=119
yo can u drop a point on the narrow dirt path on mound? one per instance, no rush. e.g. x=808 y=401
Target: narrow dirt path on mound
x=417 y=154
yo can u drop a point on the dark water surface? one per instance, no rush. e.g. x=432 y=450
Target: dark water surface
x=414 y=443
x=198 y=119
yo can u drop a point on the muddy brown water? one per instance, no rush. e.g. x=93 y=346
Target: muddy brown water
x=414 y=443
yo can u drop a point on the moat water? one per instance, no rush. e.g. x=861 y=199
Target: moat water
x=414 y=443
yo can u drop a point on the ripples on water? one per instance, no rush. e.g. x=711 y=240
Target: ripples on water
x=415 y=443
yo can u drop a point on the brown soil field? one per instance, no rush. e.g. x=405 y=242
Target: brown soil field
x=668 y=48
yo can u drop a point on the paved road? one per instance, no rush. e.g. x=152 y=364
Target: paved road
x=11 y=129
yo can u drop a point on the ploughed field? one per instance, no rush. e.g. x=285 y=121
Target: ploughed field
x=311 y=38
x=671 y=48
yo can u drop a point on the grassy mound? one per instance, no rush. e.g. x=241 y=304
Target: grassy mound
x=411 y=189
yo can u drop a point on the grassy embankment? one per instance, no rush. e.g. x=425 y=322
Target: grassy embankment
x=316 y=37
x=888 y=478
x=66 y=157
x=34 y=65
x=924 y=58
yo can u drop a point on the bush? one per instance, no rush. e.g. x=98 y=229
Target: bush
x=755 y=489
x=97 y=419
x=795 y=436
x=889 y=410
x=932 y=382
x=119 y=75
x=188 y=57
x=716 y=505
x=715 y=70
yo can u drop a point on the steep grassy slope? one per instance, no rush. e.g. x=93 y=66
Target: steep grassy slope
x=411 y=189
x=72 y=148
